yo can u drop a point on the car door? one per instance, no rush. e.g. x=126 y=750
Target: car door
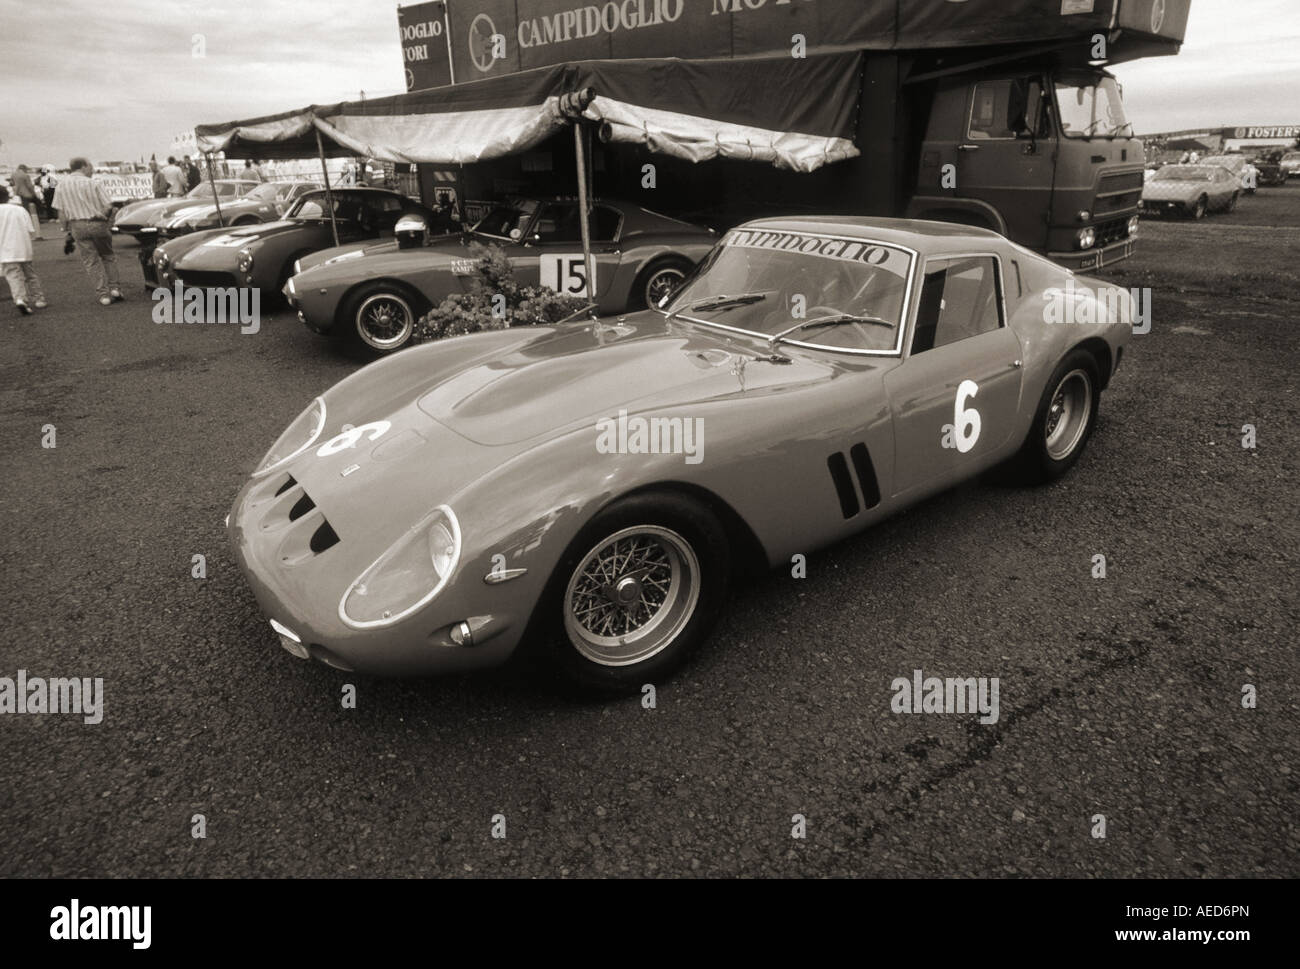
x=955 y=398
x=552 y=253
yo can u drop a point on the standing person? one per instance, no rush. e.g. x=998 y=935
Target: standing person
x=159 y=183
x=83 y=209
x=26 y=190
x=175 y=177
x=192 y=176
x=262 y=173
x=16 y=230
x=46 y=183
x=251 y=173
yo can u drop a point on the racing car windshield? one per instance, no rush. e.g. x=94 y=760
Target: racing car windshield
x=1183 y=174
x=813 y=290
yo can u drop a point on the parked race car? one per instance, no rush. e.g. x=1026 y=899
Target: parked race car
x=376 y=293
x=1290 y=164
x=1270 y=169
x=266 y=202
x=263 y=255
x=143 y=218
x=1190 y=190
x=1242 y=169
x=590 y=488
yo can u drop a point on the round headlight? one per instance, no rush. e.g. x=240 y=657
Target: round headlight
x=245 y=261
x=161 y=259
x=297 y=437
x=407 y=576
x=1086 y=238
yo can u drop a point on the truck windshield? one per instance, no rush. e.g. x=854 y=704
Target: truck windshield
x=1090 y=106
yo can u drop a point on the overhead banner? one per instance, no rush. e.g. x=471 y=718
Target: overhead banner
x=493 y=37
x=426 y=50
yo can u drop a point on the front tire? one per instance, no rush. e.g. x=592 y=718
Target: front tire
x=1200 y=208
x=1064 y=421
x=636 y=592
x=381 y=317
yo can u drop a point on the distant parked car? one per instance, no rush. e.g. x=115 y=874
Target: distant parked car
x=375 y=294
x=1240 y=166
x=266 y=202
x=1190 y=190
x=263 y=256
x=141 y=219
x=1290 y=164
x=1270 y=171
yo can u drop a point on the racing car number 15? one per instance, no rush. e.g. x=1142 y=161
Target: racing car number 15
x=564 y=273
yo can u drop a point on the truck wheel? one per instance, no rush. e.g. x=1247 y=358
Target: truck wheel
x=636 y=592
x=656 y=281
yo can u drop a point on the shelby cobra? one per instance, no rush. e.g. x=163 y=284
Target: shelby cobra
x=143 y=218
x=263 y=255
x=1191 y=190
x=589 y=488
x=375 y=294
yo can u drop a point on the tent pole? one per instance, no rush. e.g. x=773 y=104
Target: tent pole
x=215 y=201
x=329 y=193
x=584 y=210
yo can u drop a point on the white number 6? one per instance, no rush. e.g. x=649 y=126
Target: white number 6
x=351 y=436
x=965 y=420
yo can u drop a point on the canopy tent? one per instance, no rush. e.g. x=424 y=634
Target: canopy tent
x=794 y=113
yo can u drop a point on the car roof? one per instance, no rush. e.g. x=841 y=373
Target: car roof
x=906 y=232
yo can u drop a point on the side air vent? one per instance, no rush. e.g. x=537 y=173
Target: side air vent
x=843 y=484
x=866 y=474
x=289 y=482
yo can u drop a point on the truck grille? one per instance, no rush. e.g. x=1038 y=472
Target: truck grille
x=1118 y=192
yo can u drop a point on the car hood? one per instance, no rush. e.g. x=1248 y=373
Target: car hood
x=143 y=212
x=427 y=423
x=1158 y=190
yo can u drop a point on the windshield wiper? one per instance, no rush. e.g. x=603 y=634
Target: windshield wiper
x=719 y=302
x=836 y=320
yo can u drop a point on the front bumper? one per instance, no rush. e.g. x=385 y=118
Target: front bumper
x=299 y=589
x=1097 y=257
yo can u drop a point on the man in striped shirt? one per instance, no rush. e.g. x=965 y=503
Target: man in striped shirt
x=84 y=210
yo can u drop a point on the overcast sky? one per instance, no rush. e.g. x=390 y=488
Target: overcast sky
x=116 y=79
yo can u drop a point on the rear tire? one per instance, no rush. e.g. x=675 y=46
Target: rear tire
x=656 y=281
x=636 y=592
x=1064 y=421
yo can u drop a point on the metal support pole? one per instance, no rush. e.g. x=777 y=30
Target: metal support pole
x=212 y=181
x=584 y=209
x=329 y=193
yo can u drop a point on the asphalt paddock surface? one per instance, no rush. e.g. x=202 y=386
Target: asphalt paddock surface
x=1119 y=697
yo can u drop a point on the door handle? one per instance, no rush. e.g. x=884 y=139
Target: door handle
x=968 y=147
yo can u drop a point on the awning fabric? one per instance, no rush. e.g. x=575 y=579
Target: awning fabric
x=795 y=113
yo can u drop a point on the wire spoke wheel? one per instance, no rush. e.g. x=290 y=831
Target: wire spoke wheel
x=1068 y=414
x=631 y=595
x=385 y=321
x=661 y=283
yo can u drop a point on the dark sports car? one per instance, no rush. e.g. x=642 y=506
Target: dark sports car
x=587 y=489
x=264 y=203
x=142 y=219
x=1191 y=190
x=263 y=255
x=375 y=294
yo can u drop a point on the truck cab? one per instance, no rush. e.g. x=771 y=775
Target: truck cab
x=1043 y=155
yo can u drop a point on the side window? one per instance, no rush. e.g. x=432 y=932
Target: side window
x=558 y=222
x=959 y=299
x=605 y=224
x=991 y=107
